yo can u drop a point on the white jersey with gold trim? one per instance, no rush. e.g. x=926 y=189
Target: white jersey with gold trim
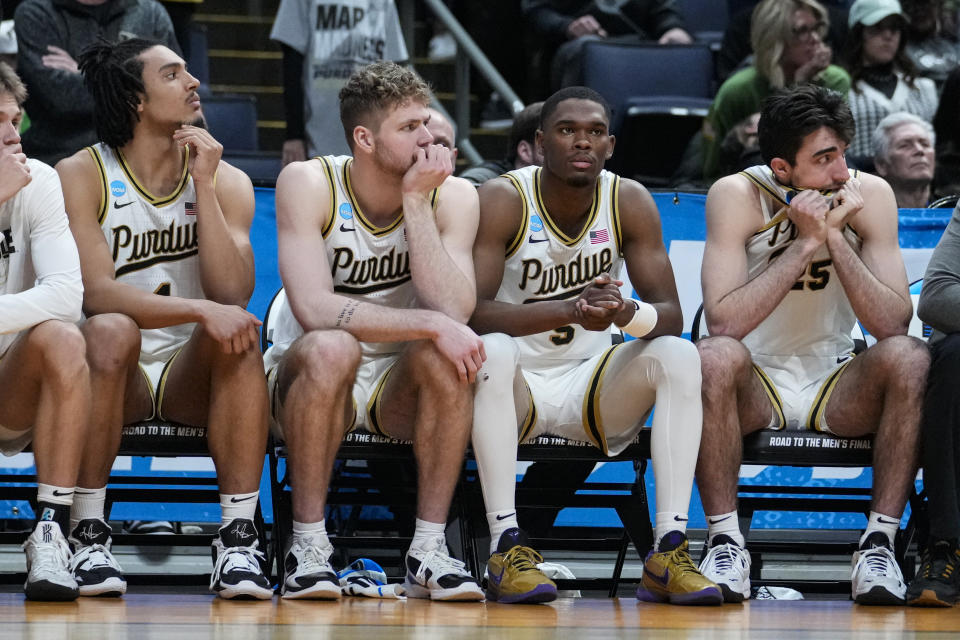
x=367 y=262
x=152 y=239
x=815 y=317
x=544 y=263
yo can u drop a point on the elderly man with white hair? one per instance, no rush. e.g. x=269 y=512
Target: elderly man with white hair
x=903 y=151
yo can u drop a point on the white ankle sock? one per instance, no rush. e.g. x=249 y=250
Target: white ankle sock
x=87 y=504
x=426 y=532
x=726 y=524
x=888 y=525
x=500 y=521
x=237 y=505
x=667 y=521
x=314 y=529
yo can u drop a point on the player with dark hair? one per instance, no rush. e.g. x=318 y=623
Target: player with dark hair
x=374 y=253
x=162 y=225
x=798 y=250
x=551 y=243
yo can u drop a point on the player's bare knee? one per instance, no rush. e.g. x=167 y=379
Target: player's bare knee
x=721 y=358
x=905 y=360
x=326 y=356
x=62 y=347
x=113 y=342
x=503 y=355
x=431 y=367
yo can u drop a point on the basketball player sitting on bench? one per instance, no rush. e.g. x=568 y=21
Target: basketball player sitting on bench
x=374 y=254
x=548 y=242
x=162 y=225
x=44 y=381
x=797 y=250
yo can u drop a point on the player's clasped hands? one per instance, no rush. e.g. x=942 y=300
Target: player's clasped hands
x=600 y=302
x=847 y=202
x=808 y=211
x=233 y=327
x=432 y=165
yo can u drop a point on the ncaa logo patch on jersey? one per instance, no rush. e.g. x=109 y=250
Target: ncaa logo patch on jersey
x=346 y=211
x=536 y=224
x=118 y=188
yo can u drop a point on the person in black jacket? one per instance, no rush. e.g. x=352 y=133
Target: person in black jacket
x=50 y=36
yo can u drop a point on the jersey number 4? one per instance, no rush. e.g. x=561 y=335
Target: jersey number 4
x=163 y=289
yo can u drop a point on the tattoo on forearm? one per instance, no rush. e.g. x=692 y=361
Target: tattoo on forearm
x=346 y=313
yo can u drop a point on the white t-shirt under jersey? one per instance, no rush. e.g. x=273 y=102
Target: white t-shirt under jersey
x=39 y=265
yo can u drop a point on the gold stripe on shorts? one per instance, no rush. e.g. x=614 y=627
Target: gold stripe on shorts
x=592 y=422
x=530 y=419
x=153 y=395
x=375 y=404
x=819 y=408
x=773 y=394
x=162 y=385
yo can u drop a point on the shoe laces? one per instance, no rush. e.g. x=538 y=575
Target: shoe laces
x=680 y=558
x=725 y=556
x=52 y=555
x=939 y=563
x=315 y=557
x=439 y=561
x=238 y=558
x=522 y=558
x=93 y=557
x=878 y=561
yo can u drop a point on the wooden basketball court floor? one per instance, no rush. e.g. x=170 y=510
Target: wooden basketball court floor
x=187 y=616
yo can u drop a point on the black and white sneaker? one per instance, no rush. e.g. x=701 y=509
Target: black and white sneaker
x=307 y=571
x=48 y=565
x=95 y=569
x=433 y=574
x=876 y=577
x=236 y=566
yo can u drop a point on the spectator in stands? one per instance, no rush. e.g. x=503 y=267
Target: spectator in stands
x=736 y=51
x=936 y=582
x=550 y=243
x=521 y=148
x=933 y=51
x=443 y=133
x=787 y=37
x=44 y=380
x=946 y=123
x=883 y=80
x=371 y=334
x=50 y=36
x=323 y=43
x=566 y=25
x=779 y=352
x=903 y=154
x=166 y=278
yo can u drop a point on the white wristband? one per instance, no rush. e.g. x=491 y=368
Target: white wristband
x=643 y=321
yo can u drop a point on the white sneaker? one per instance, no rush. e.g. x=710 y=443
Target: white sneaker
x=728 y=565
x=236 y=568
x=307 y=571
x=432 y=573
x=95 y=569
x=48 y=565
x=876 y=577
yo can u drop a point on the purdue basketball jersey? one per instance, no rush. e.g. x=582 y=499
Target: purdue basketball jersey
x=544 y=263
x=815 y=317
x=152 y=239
x=367 y=262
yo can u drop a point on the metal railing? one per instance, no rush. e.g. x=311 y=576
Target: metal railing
x=467 y=53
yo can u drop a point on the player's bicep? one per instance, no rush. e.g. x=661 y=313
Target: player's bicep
x=645 y=255
x=457 y=217
x=724 y=266
x=82 y=201
x=877 y=226
x=501 y=213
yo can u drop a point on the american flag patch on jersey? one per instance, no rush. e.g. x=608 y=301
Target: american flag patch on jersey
x=190 y=208
x=599 y=237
